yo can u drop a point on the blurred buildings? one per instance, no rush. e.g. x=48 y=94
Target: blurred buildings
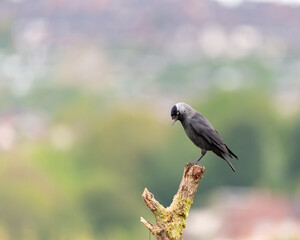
x=15 y=127
x=246 y=214
x=100 y=40
x=85 y=94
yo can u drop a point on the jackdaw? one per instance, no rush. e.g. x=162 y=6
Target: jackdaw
x=201 y=132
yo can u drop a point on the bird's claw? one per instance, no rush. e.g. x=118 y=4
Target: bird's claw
x=191 y=164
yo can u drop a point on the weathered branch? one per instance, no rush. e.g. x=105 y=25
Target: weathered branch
x=170 y=221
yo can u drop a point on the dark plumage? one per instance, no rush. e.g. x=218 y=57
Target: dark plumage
x=201 y=132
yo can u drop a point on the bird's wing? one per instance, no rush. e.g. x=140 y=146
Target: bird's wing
x=208 y=133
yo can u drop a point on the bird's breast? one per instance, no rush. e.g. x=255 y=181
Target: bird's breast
x=195 y=138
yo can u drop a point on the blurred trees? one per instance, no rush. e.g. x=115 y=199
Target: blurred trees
x=68 y=182
x=84 y=122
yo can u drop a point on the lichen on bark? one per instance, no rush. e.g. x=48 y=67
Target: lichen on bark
x=170 y=221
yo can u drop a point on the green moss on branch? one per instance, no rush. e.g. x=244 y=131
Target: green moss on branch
x=171 y=221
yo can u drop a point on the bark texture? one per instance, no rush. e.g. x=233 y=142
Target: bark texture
x=170 y=221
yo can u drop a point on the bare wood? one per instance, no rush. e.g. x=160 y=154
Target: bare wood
x=170 y=221
x=148 y=225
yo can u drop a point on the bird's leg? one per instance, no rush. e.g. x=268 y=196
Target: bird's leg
x=203 y=152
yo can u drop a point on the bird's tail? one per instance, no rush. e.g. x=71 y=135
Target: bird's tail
x=230 y=164
x=231 y=153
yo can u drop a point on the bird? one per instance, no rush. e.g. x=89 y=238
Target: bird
x=201 y=132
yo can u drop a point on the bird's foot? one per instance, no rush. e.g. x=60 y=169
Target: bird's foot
x=192 y=164
x=189 y=165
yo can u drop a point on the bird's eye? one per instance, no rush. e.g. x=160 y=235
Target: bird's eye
x=178 y=113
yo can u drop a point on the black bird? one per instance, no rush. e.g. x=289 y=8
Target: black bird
x=201 y=132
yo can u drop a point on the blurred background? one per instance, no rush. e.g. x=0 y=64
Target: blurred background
x=86 y=89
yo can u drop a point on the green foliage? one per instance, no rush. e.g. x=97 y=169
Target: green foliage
x=91 y=189
x=5 y=33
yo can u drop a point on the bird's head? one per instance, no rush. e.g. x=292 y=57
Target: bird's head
x=179 y=111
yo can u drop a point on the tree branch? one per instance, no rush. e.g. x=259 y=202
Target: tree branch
x=170 y=221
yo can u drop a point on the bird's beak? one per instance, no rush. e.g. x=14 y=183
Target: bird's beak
x=174 y=119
